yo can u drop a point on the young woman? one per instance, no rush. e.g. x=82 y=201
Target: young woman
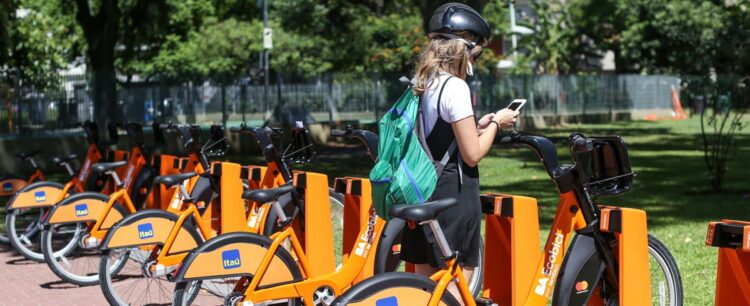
x=457 y=34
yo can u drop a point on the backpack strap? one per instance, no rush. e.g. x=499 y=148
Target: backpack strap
x=440 y=166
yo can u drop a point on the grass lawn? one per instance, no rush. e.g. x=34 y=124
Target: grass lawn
x=671 y=186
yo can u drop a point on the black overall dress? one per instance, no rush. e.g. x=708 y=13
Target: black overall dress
x=460 y=223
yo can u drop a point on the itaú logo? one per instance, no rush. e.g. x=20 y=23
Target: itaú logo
x=40 y=196
x=7 y=187
x=549 y=266
x=145 y=230
x=82 y=210
x=230 y=259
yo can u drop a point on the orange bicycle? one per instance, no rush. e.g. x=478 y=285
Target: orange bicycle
x=11 y=184
x=152 y=258
x=594 y=255
x=26 y=208
x=75 y=226
x=247 y=269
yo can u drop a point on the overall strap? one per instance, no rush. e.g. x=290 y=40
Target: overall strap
x=440 y=166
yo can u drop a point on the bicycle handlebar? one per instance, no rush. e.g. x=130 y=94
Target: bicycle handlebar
x=579 y=143
x=368 y=138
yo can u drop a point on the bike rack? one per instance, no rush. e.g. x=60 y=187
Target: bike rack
x=630 y=229
x=357 y=206
x=313 y=187
x=160 y=195
x=511 y=245
x=733 y=271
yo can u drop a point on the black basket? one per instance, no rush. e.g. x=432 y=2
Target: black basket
x=301 y=150
x=608 y=167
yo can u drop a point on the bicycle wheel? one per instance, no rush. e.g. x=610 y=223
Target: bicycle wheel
x=68 y=258
x=134 y=283
x=394 y=288
x=23 y=232
x=225 y=290
x=3 y=214
x=666 y=281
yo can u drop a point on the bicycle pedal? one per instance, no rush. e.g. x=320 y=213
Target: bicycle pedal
x=484 y=302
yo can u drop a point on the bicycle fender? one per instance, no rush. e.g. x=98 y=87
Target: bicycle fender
x=9 y=185
x=37 y=195
x=387 y=254
x=237 y=254
x=149 y=227
x=582 y=270
x=82 y=207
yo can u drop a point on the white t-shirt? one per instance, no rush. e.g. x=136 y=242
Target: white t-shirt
x=455 y=104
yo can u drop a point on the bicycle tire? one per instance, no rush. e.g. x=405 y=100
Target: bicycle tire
x=395 y=287
x=27 y=246
x=181 y=299
x=659 y=252
x=109 y=288
x=57 y=260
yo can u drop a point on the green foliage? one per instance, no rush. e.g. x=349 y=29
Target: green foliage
x=39 y=39
x=551 y=44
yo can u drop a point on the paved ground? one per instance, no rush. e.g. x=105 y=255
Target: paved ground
x=23 y=282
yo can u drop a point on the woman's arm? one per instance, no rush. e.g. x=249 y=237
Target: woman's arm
x=472 y=147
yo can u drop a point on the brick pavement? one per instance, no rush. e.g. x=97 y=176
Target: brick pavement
x=24 y=282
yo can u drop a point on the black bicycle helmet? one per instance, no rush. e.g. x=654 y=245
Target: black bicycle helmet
x=451 y=18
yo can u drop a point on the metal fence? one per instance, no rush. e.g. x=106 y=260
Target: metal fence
x=341 y=97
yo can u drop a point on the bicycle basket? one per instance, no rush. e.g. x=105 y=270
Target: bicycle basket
x=301 y=150
x=609 y=168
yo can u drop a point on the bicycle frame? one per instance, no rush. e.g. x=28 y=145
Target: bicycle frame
x=270 y=280
x=46 y=195
x=10 y=185
x=100 y=216
x=232 y=213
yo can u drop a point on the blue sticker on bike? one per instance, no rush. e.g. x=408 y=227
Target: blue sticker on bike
x=82 y=210
x=7 y=187
x=40 y=196
x=230 y=259
x=145 y=231
x=389 y=301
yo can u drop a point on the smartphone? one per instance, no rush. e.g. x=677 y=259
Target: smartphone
x=517 y=104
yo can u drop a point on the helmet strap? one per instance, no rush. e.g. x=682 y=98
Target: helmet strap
x=469 y=67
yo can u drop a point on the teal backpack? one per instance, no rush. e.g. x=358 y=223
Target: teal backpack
x=405 y=172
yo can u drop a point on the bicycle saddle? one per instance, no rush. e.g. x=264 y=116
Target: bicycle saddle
x=23 y=155
x=61 y=159
x=104 y=167
x=421 y=212
x=267 y=195
x=171 y=180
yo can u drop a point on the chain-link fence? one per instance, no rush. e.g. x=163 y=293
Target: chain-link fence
x=339 y=97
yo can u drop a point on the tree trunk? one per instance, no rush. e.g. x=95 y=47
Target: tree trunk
x=100 y=31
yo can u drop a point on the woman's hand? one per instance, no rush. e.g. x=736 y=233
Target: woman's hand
x=506 y=118
x=484 y=122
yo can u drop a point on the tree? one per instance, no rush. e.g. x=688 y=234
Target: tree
x=100 y=29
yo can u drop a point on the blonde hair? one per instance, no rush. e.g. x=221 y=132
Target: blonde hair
x=442 y=54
